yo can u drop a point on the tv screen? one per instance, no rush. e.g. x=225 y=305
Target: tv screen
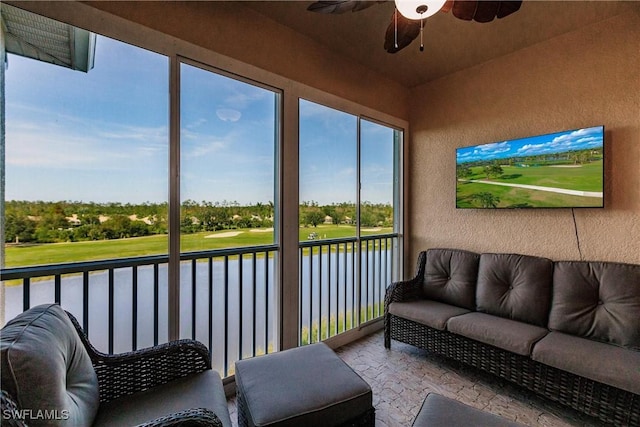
x=557 y=170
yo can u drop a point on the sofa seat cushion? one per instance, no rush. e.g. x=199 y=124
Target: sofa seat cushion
x=510 y=335
x=201 y=390
x=597 y=300
x=597 y=361
x=431 y=313
x=514 y=286
x=46 y=367
x=450 y=277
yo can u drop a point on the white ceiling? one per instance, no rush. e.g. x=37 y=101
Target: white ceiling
x=450 y=44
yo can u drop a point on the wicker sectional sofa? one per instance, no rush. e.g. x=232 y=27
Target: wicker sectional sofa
x=567 y=330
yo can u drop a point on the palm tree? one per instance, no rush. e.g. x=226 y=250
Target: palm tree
x=487 y=200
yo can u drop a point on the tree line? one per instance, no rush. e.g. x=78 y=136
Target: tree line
x=493 y=168
x=69 y=221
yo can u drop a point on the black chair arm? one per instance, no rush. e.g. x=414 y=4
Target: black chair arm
x=127 y=373
x=196 y=417
x=405 y=290
x=10 y=414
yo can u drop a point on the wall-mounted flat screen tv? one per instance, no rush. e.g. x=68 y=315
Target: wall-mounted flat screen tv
x=557 y=170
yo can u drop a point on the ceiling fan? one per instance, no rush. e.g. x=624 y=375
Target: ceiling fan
x=408 y=18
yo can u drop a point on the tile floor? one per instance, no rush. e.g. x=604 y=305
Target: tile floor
x=401 y=377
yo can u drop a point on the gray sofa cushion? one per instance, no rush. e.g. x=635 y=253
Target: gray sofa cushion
x=440 y=411
x=201 y=390
x=46 y=367
x=517 y=287
x=597 y=300
x=450 y=277
x=597 y=361
x=431 y=313
x=510 y=335
x=306 y=386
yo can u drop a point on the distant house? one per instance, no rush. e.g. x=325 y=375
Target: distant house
x=73 y=220
x=328 y=220
x=146 y=219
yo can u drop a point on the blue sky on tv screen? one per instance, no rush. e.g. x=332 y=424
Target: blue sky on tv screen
x=559 y=142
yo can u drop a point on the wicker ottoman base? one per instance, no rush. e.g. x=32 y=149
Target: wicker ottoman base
x=440 y=411
x=307 y=386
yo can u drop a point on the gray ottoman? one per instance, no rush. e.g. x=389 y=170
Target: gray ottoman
x=307 y=386
x=440 y=411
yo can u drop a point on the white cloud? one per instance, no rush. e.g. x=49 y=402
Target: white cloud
x=576 y=137
x=496 y=147
x=203 y=148
x=81 y=148
x=228 y=114
x=532 y=149
x=243 y=95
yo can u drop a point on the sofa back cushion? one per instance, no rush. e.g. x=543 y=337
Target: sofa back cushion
x=516 y=287
x=46 y=367
x=597 y=300
x=450 y=277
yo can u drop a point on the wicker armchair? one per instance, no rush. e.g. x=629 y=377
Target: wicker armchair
x=402 y=291
x=123 y=378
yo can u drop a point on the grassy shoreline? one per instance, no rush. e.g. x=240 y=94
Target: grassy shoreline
x=58 y=253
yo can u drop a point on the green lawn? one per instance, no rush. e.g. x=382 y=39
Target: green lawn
x=56 y=253
x=585 y=178
x=511 y=197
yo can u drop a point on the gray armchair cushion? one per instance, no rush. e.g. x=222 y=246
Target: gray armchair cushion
x=426 y=312
x=510 y=335
x=201 y=390
x=517 y=287
x=450 y=277
x=46 y=367
x=608 y=364
x=597 y=300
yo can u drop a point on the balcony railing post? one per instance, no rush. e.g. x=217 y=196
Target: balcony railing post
x=134 y=308
x=111 y=310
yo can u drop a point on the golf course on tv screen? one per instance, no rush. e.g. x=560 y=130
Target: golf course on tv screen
x=558 y=170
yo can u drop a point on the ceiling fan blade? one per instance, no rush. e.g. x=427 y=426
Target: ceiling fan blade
x=508 y=7
x=447 y=6
x=486 y=11
x=464 y=9
x=407 y=31
x=340 y=6
x=483 y=10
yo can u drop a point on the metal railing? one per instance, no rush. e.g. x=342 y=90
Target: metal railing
x=227 y=296
x=343 y=283
x=226 y=300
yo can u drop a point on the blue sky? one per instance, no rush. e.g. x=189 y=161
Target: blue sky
x=558 y=142
x=102 y=136
x=328 y=153
x=98 y=136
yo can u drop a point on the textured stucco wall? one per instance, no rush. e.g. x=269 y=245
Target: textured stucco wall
x=583 y=78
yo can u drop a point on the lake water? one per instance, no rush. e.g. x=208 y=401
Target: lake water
x=332 y=297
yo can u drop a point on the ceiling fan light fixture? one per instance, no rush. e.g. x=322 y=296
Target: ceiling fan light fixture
x=419 y=9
